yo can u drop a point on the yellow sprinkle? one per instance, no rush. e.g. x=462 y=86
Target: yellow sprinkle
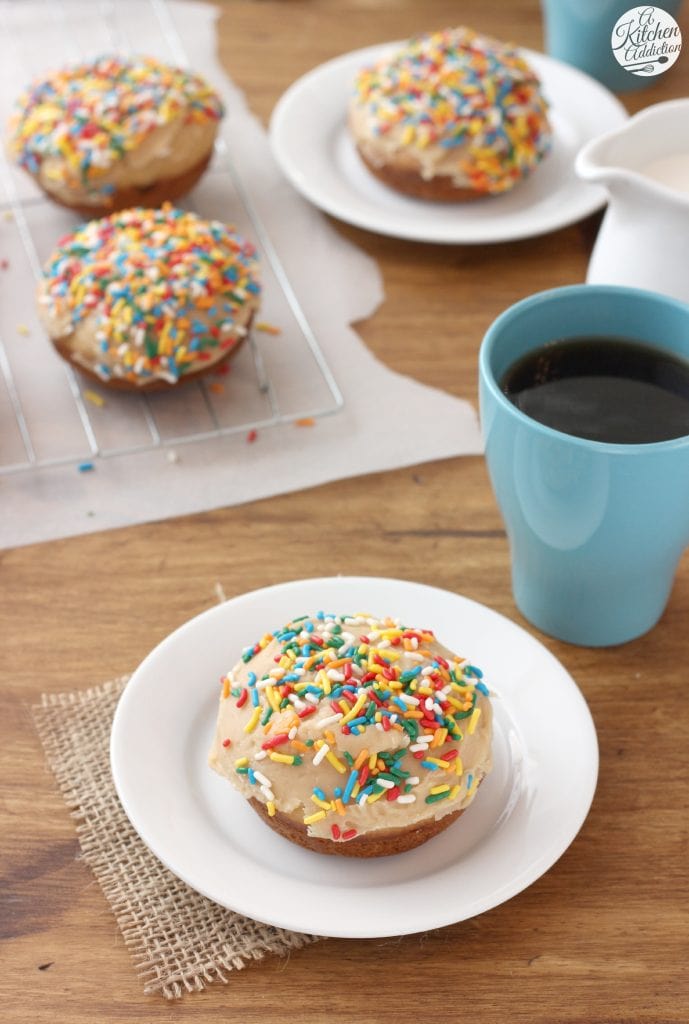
x=253 y=721
x=241 y=762
x=94 y=398
x=372 y=761
x=321 y=803
x=454 y=792
x=310 y=818
x=225 y=688
x=8 y=215
x=273 y=698
x=475 y=715
x=329 y=737
x=459 y=768
x=22 y=329
x=270 y=807
x=439 y=762
x=358 y=705
x=372 y=797
x=440 y=789
x=281 y=758
x=335 y=762
x=266 y=328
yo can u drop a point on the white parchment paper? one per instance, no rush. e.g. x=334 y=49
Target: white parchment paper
x=387 y=420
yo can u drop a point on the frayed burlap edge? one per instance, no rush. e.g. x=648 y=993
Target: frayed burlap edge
x=179 y=940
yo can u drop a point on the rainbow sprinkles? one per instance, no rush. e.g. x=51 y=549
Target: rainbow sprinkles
x=144 y=296
x=350 y=724
x=458 y=105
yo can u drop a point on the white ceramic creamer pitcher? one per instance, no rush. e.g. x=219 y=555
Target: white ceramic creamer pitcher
x=644 y=238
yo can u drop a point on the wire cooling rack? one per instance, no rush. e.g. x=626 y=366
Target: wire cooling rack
x=49 y=415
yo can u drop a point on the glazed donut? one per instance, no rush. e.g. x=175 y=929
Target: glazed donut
x=354 y=736
x=144 y=299
x=116 y=133
x=450 y=116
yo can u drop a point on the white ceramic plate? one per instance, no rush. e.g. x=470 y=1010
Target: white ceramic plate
x=310 y=140
x=525 y=815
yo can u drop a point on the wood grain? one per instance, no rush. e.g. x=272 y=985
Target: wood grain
x=603 y=937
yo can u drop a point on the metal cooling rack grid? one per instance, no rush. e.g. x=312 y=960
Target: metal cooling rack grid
x=45 y=418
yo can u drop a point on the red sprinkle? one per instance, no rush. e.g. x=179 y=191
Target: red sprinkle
x=363 y=775
x=306 y=712
x=386 y=723
x=275 y=741
x=226 y=743
x=335 y=829
x=241 y=699
x=251 y=436
x=349 y=834
x=393 y=793
x=449 y=755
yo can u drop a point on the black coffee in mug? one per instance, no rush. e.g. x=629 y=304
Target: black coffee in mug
x=603 y=389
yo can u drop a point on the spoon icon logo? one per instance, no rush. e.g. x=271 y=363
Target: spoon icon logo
x=646 y=41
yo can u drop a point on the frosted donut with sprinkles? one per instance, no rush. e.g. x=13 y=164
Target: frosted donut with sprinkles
x=352 y=735
x=116 y=132
x=450 y=116
x=145 y=299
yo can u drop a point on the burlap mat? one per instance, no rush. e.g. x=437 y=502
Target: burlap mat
x=179 y=941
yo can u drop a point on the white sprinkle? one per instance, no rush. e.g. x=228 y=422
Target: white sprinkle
x=413 y=780
x=261 y=755
x=428 y=704
x=406 y=798
x=361 y=800
x=385 y=783
x=330 y=720
x=419 y=746
x=311 y=698
x=293 y=732
x=337 y=677
x=320 y=754
x=268 y=793
x=409 y=699
x=260 y=777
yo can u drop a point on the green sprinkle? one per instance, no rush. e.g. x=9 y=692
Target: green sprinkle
x=434 y=797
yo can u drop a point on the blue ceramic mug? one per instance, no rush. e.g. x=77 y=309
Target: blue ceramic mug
x=595 y=529
x=579 y=32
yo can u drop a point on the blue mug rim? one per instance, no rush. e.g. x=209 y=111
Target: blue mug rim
x=553 y=294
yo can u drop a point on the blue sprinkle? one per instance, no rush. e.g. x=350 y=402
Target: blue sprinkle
x=254 y=697
x=309 y=627
x=85 y=467
x=252 y=678
x=252 y=777
x=351 y=782
x=482 y=688
x=337 y=791
x=429 y=764
x=319 y=793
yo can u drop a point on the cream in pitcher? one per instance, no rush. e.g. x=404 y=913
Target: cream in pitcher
x=644 y=167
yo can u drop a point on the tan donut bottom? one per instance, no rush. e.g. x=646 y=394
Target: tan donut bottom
x=376 y=844
x=118 y=384
x=151 y=196
x=441 y=188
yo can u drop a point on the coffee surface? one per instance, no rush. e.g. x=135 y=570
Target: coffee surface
x=603 y=389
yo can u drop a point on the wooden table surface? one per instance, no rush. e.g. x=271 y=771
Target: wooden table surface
x=603 y=936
